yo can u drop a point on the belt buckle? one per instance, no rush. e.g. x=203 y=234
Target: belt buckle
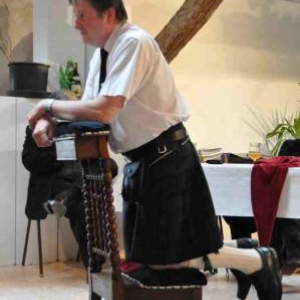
x=162 y=149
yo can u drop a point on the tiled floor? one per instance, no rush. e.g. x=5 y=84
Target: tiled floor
x=60 y=282
x=67 y=281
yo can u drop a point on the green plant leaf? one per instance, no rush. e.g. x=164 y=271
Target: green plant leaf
x=64 y=81
x=289 y=128
x=296 y=125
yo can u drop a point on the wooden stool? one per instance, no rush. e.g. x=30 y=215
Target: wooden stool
x=39 y=245
x=109 y=283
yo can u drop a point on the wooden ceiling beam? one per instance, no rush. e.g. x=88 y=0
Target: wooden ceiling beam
x=188 y=20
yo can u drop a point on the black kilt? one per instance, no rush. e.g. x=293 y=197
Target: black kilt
x=175 y=219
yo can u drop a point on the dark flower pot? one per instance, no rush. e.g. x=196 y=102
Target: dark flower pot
x=28 y=79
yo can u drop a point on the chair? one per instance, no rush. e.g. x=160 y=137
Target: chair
x=47 y=178
x=39 y=240
x=105 y=277
x=39 y=245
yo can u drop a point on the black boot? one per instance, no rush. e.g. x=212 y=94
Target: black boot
x=292 y=243
x=242 y=279
x=267 y=281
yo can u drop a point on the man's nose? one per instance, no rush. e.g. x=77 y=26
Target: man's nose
x=77 y=23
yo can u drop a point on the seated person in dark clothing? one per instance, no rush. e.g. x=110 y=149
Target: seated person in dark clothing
x=286 y=232
x=57 y=181
x=240 y=226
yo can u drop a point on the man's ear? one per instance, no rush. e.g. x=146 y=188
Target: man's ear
x=111 y=14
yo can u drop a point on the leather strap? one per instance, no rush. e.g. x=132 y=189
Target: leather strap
x=173 y=134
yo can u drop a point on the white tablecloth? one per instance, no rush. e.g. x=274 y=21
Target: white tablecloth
x=230 y=189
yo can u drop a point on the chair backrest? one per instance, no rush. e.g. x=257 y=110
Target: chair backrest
x=100 y=215
x=91 y=150
x=102 y=238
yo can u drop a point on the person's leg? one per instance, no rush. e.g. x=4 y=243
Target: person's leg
x=290 y=237
x=78 y=226
x=73 y=198
x=246 y=260
x=277 y=240
x=75 y=212
x=243 y=282
x=178 y=222
x=260 y=264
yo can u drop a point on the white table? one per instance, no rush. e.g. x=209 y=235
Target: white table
x=230 y=189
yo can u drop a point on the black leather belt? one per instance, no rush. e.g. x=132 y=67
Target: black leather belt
x=159 y=145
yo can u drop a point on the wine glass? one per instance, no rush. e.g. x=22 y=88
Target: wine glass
x=254 y=151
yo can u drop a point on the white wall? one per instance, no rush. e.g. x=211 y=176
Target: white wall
x=247 y=54
x=17 y=25
x=13 y=185
x=7 y=181
x=55 y=40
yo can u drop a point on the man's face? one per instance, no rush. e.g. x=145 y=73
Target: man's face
x=94 y=28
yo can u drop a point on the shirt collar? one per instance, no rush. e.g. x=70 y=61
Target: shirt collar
x=114 y=36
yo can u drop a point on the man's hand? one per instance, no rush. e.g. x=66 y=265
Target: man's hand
x=40 y=110
x=43 y=131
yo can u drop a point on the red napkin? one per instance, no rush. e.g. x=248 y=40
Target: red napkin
x=267 y=180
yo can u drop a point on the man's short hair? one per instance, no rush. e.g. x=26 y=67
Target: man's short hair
x=103 y=5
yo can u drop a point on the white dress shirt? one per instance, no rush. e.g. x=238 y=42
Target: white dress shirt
x=137 y=70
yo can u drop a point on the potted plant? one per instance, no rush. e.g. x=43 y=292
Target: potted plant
x=26 y=79
x=289 y=128
x=69 y=80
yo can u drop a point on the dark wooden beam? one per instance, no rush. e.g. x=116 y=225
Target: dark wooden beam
x=187 y=21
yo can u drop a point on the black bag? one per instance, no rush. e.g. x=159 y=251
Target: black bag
x=134 y=181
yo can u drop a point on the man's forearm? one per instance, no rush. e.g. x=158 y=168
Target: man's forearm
x=103 y=109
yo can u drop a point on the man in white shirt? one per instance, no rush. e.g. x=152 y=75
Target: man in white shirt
x=170 y=222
